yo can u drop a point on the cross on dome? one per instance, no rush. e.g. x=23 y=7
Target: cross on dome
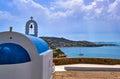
x=31 y=18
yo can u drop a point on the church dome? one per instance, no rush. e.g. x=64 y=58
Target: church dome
x=19 y=48
x=39 y=43
x=11 y=53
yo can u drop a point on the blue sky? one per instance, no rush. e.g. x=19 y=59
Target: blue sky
x=92 y=20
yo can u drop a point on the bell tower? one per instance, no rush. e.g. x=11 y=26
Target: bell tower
x=31 y=27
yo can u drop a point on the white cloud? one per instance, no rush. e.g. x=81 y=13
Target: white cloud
x=114 y=10
x=4 y=15
x=64 y=16
x=100 y=9
x=113 y=6
x=61 y=9
x=68 y=4
x=97 y=9
x=7 y=20
x=23 y=3
x=68 y=7
x=90 y=11
x=58 y=15
x=30 y=8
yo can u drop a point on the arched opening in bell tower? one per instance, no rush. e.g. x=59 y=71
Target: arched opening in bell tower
x=31 y=27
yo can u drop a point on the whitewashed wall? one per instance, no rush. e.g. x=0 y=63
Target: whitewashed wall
x=40 y=66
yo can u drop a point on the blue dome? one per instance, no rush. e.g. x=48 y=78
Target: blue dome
x=11 y=53
x=40 y=44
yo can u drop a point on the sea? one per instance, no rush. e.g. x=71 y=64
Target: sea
x=112 y=52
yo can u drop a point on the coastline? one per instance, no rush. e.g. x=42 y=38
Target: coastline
x=63 y=42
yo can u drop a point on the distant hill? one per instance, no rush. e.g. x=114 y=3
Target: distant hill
x=117 y=43
x=63 y=42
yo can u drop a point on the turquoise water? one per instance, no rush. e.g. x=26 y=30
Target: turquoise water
x=92 y=52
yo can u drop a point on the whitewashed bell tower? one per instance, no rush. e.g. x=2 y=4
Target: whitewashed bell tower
x=31 y=27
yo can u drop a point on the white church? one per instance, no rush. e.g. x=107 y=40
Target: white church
x=25 y=56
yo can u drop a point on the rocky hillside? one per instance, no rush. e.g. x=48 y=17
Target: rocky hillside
x=62 y=42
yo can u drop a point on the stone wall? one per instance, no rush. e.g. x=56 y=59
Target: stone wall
x=64 y=61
